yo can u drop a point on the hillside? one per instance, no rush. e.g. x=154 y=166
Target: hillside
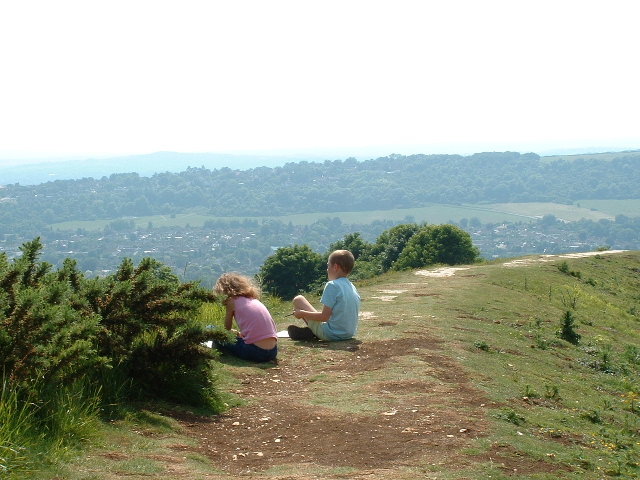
x=455 y=373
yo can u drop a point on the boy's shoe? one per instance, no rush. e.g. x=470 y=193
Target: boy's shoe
x=300 y=333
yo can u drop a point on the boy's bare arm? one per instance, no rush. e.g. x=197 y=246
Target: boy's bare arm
x=322 y=316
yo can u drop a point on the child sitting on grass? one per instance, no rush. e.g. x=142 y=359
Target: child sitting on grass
x=338 y=319
x=257 y=339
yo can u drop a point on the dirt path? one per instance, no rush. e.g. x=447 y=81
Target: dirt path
x=424 y=420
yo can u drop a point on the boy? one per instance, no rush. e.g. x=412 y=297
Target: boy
x=338 y=319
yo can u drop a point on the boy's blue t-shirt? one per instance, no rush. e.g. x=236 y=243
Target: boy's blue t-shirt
x=341 y=295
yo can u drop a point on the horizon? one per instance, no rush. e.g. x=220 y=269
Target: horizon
x=39 y=171
x=17 y=159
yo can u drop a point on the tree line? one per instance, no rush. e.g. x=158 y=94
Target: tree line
x=385 y=183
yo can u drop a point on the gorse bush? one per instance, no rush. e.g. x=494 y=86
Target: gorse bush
x=60 y=327
x=48 y=330
x=69 y=345
x=150 y=333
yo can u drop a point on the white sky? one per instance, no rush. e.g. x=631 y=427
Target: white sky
x=138 y=76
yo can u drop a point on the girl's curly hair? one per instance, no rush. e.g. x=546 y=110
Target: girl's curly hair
x=236 y=285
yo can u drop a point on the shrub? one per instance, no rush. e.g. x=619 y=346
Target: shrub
x=150 y=332
x=390 y=244
x=433 y=244
x=567 y=331
x=48 y=331
x=482 y=345
x=511 y=416
x=137 y=328
x=293 y=270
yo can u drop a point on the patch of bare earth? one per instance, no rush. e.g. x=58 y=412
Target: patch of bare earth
x=427 y=420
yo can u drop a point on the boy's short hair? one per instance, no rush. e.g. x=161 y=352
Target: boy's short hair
x=344 y=259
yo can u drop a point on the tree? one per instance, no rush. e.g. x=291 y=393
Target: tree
x=391 y=243
x=292 y=270
x=435 y=244
x=567 y=330
x=352 y=242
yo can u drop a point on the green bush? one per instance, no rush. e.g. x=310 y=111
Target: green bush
x=293 y=270
x=437 y=244
x=48 y=331
x=69 y=346
x=150 y=332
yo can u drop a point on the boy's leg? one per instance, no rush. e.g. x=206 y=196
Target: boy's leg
x=301 y=333
x=301 y=303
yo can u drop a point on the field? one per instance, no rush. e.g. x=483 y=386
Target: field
x=606 y=156
x=456 y=373
x=631 y=208
x=436 y=214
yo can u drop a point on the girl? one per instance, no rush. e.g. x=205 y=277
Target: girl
x=257 y=338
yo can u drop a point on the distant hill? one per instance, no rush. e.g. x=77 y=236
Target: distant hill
x=36 y=171
x=144 y=165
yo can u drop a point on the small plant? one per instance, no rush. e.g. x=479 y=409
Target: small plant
x=632 y=354
x=606 y=360
x=606 y=404
x=569 y=298
x=482 y=345
x=529 y=392
x=511 y=416
x=552 y=392
x=541 y=342
x=593 y=416
x=564 y=268
x=632 y=399
x=568 y=332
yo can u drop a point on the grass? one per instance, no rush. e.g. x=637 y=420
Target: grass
x=556 y=409
x=562 y=211
x=629 y=207
x=36 y=434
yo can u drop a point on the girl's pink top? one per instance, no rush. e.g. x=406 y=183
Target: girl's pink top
x=253 y=319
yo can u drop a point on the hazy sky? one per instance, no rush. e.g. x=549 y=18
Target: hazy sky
x=138 y=76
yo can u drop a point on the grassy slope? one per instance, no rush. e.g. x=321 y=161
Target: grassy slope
x=555 y=409
x=554 y=401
